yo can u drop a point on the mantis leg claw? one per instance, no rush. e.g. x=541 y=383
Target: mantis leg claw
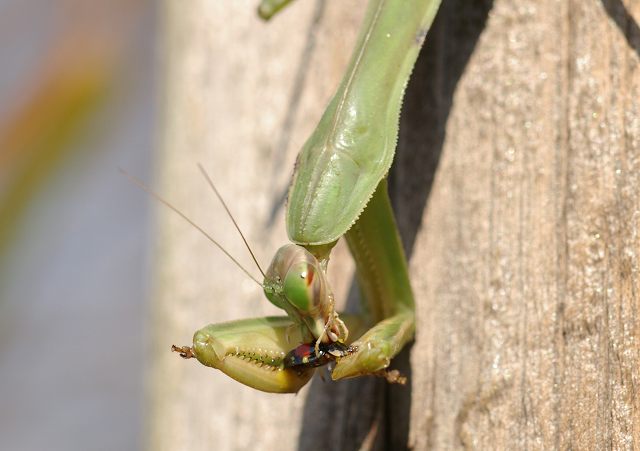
x=392 y=376
x=186 y=352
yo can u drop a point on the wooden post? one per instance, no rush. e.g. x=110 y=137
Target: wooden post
x=525 y=245
x=517 y=192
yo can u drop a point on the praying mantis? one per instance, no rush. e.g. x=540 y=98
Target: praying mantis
x=338 y=189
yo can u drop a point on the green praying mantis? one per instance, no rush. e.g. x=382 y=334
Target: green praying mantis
x=339 y=189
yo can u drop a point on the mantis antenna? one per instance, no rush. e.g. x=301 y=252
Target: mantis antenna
x=157 y=197
x=224 y=204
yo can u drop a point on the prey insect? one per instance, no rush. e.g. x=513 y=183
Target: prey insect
x=307 y=355
x=339 y=189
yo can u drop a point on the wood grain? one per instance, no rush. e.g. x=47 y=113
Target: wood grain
x=516 y=189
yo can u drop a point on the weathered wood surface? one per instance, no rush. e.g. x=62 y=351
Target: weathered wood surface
x=517 y=191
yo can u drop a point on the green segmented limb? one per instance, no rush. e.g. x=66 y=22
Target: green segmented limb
x=269 y=8
x=339 y=189
x=384 y=280
x=252 y=351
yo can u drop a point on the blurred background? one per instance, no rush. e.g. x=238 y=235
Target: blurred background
x=77 y=101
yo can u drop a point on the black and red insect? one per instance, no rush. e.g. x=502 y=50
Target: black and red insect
x=305 y=356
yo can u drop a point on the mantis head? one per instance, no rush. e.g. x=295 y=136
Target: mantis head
x=296 y=283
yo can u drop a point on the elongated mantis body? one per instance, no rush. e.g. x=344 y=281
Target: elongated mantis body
x=339 y=189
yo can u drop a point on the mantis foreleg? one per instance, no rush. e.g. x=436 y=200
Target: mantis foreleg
x=269 y=8
x=384 y=281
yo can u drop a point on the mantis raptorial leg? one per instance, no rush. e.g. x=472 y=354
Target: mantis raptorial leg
x=339 y=189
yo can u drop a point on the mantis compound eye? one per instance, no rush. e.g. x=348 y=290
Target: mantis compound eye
x=303 y=286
